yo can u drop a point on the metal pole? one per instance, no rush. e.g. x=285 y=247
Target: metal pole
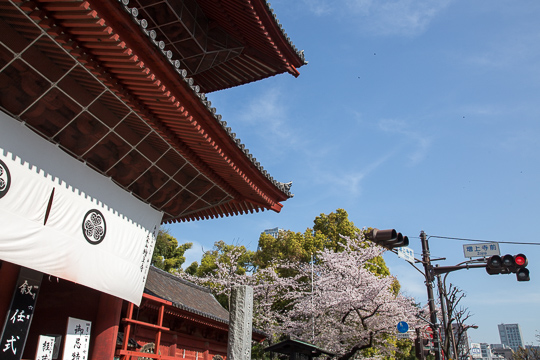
x=429 y=285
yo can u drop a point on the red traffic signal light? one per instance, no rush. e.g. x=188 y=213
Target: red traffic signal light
x=509 y=264
x=522 y=273
x=387 y=238
x=521 y=260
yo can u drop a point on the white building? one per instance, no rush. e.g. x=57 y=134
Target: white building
x=274 y=232
x=484 y=351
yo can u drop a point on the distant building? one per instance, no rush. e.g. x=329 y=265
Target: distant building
x=274 y=232
x=483 y=351
x=510 y=335
x=502 y=351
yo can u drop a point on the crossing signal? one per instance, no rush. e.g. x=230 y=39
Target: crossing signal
x=422 y=346
x=387 y=238
x=509 y=264
x=522 y=273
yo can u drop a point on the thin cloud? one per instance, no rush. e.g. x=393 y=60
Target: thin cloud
x=350 y=182
x=420 y=143
x=396 y=17
x=267 y=114
x=518 y=48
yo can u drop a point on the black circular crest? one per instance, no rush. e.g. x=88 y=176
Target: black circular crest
x=94 y=227
x=5 y=179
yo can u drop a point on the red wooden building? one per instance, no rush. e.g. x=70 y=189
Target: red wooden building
x=106 y=132
x=181 y=319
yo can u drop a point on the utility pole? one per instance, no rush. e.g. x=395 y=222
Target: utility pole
x=428 y=270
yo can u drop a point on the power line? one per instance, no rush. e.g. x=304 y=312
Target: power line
x=476 y=240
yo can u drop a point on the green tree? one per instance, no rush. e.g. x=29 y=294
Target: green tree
x=167 y=254
x=222 y=252
x=299 y=247
x=235 y=258
x=288 y=245
x=333 y=226
x=325 y=234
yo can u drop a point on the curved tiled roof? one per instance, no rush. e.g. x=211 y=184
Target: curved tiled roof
x=109 y=92
x=222 y=43
x=187 y=296
x=183 y=73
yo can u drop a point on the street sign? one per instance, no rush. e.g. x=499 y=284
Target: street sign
x=481 y=250
x=406 y=253
x=402 y=327
x=403 y=335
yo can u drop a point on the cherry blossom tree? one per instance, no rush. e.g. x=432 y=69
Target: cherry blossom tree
x=337 y=302
x=350 y=308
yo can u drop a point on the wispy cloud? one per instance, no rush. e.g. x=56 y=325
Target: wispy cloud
x=506 y=51
x=268 y=113
x=420 y=143
x=349 y=181
x=395 y=17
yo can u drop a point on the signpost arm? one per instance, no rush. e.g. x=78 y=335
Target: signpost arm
x=414 y=266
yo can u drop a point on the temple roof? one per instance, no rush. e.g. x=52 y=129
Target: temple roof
x=188 y=297
x=90 y=77
x=221 y=43
x=185 y=295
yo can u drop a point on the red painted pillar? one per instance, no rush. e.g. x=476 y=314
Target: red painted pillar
x=106 y=327
x=172 y=348
x=8 y=279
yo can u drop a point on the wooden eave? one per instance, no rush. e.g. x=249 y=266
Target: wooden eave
x=254 y=22
x=262 y=49
x=112 y=45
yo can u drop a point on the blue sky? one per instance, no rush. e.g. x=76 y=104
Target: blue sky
x=411 y=114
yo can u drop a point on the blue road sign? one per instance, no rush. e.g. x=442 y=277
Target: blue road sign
x=402 y=327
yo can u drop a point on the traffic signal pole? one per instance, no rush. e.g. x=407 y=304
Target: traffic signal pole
x=391 y=239
x=431 y=301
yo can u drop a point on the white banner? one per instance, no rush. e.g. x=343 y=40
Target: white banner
x=62 y=218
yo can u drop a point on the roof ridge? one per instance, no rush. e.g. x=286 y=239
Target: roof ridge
x=168 y=54
x=299 y=53
x=181 y=280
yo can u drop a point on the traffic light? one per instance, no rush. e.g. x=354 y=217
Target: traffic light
x=494 y=265
x=508 y=264
x=387 y=238
x=422 y=348
x=522 y=273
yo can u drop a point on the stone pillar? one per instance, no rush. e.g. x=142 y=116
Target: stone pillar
x=240 y=323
